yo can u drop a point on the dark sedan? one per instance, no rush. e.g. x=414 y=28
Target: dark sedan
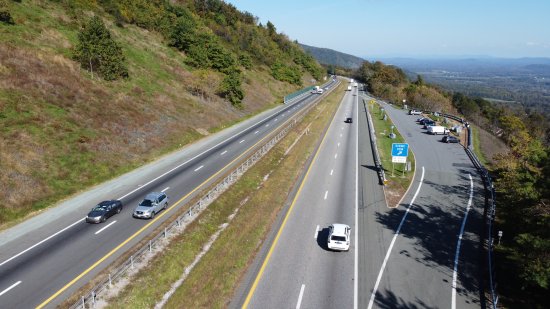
x=104 y=210
x=450 y=139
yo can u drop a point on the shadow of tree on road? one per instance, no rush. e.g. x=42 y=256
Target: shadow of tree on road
x=433 y=226
x=388 y=300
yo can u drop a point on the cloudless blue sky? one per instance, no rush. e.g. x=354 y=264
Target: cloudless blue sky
x=412 y=28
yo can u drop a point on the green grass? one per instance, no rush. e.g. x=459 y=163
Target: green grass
x=213 y=280
x=477 y=146
x=384 y=144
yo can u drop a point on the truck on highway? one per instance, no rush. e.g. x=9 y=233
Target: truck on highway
x=349 y=88
x=438 y=130
x=317 y=89
x=354 y=84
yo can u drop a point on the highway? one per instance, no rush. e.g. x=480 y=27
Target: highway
x=300 y=270
x=45 y=259
x=422 y=253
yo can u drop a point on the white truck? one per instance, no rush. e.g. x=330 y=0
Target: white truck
x=349 y=88
x=438 y=130
x=355 y=84
x=317 y=89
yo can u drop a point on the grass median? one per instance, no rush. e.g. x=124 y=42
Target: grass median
x=398 y=178
x=259 y=196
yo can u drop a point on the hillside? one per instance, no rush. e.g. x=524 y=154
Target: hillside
x=74 y=112
x=328 y=56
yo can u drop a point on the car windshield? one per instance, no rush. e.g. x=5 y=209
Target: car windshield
x=146 y=203
x=338 y=238
x=99 y=208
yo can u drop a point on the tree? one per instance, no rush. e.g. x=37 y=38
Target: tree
x=230 y=87
x=97 y=51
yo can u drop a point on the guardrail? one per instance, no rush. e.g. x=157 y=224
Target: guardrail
x=90 y=299
x=377 y=161
x=490 y=207
x=293 y=97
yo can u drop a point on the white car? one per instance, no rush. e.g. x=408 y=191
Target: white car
x=415 y=112
x=338 y=237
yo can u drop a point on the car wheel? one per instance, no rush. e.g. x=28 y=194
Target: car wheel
x=119 y=210
x=152 y=214
x=165 y=205
x=103 y=219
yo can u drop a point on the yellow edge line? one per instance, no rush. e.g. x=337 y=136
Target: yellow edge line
x=150 y=223
x=264 y=264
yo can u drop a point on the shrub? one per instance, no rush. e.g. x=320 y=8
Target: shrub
x=97 y=51
x=230 y=88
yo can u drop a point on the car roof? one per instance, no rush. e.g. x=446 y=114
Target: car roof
x=339 y=229
x=107 y=203
x=153 y=195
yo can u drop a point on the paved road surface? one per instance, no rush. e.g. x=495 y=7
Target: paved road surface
x=40 y=258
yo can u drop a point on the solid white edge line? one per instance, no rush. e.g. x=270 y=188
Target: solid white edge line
x=371 y=301
x=356 y=249
x=11 y=287
x=165 y=189
x=316 y=232
x=105 y=227
x=41 y=242
x=299 y=303
x=457 y=253
x=200 y=154
x=139 y=187
x=198 y=168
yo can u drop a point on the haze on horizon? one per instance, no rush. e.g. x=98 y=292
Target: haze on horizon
x=417 y=29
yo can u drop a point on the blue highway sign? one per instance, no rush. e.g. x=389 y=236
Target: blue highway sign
x=399 y=149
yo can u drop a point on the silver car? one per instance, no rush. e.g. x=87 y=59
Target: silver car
x=152 y=204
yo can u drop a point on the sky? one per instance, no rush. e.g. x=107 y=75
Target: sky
x=412 y=28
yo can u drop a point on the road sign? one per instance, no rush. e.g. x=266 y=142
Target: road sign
x=399 y=150
x=395 y=159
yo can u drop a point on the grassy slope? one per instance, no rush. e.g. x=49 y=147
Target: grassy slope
x=265 y=189
x=62 y=130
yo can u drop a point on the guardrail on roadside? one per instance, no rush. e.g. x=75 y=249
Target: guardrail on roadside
x=89 y=300
x=377 y=161
x=490 y=208
x=293 y=97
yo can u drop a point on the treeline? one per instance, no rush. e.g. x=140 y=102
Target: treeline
x=522 y=176
x=212 y=34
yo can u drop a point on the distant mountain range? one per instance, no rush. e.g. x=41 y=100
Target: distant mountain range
x=328 y=56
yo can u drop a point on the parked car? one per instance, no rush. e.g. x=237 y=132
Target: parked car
x=428 y=123
x=338 y=237
x=419 y=120
x=415 y=112
x=450 y=139
x=424 y=120
x=152 y=204
x=103 y=211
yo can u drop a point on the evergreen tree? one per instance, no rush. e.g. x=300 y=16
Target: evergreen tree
x=98 y=52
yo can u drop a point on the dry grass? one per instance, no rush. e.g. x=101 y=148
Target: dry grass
x=62 y=131
x=265 y=188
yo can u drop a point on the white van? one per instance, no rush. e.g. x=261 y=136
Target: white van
x=438 y=130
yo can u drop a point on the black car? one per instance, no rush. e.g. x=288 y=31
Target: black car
x=104 y=210
x=450 y=139
x=348 y=120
